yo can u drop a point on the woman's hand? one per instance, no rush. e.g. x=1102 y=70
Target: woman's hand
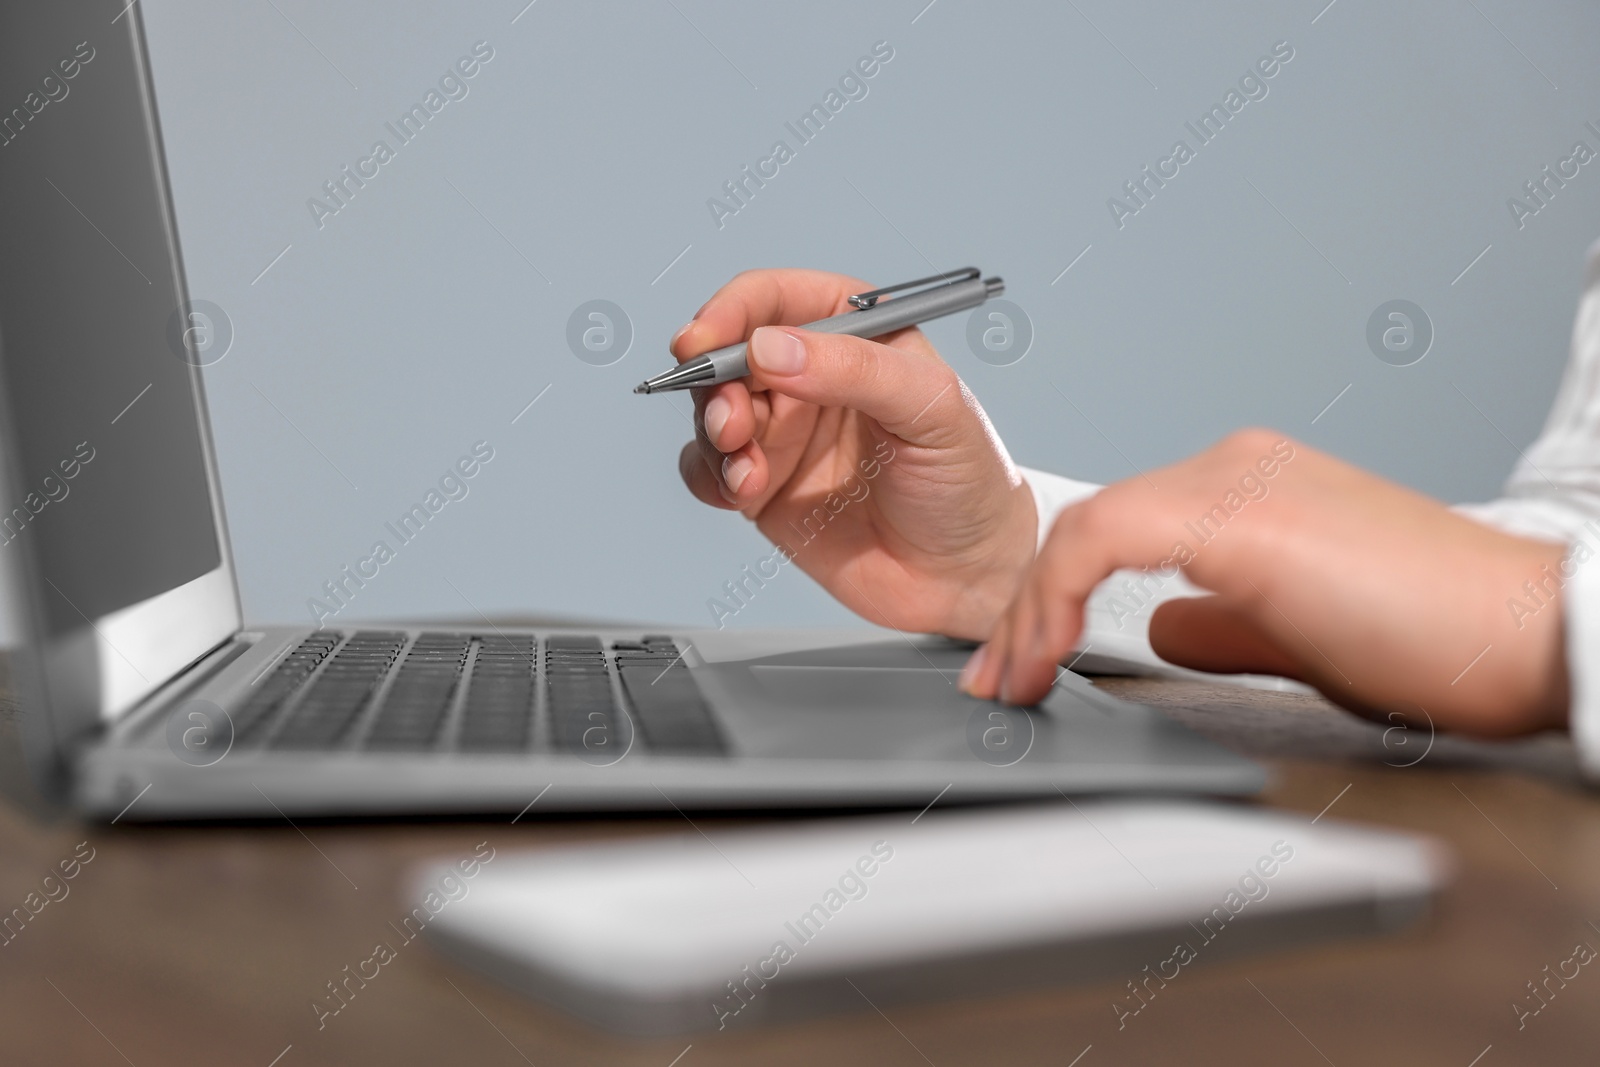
x=867 y=462
x=1383 y=599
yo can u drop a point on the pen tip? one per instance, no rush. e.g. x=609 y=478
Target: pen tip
x=642 y=387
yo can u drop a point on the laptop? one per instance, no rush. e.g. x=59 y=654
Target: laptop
x=144 y=693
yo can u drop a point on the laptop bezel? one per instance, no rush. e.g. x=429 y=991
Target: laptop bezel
x=71 y=686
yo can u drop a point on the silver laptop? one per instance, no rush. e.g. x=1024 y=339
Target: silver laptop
x=144 y=694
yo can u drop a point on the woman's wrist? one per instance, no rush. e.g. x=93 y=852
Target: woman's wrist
x=979 y=602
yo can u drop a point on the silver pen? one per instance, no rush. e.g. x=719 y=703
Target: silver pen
x=939 y=294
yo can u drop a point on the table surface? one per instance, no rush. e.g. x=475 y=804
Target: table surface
x=192 y=944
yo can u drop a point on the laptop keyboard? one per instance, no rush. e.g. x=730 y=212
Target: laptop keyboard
x=382 y=691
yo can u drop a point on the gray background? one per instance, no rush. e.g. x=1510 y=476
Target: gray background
x=376 y=350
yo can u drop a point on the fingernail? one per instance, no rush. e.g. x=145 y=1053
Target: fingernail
x=777 y=351
x=716 y=417
x=679 y=335
x=970 y=672
x=1005 y=686
x=736 y=470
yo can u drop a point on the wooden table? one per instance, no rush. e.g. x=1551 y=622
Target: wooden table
x=195 y=945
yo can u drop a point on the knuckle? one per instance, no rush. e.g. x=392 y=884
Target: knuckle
x=1096 y=517
x=1249 y=442
x=744 y=289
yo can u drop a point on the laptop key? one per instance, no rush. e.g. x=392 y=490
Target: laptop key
x=498 y=715
x=583 y=713
x=573 y=643
x=672 y=713
x=585 y=718
x=414 y=710
x=261 y=707
x=337 y=695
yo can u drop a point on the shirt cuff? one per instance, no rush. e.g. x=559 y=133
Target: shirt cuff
x=1561 y=521
x=1052 y=494
x=1581 y=600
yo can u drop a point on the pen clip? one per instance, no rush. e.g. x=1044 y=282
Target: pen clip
x=862 y=301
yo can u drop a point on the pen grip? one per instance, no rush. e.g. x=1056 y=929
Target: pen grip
x=886 y=316
x=900 y=312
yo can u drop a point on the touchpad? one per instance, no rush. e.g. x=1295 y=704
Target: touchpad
x=881 y=688
x=845 y=712
x=898 y=700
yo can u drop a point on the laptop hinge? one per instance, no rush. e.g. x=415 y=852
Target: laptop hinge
x=196 y=674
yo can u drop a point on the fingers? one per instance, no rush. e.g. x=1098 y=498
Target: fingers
x=726 y=424
x=729 y=482
x=762 y=297
x=744 y=474
x=741 y=473
x=727 y=413
x=703 y=484
x=728 y=419
x=715 y=411
x=918 y=397
x=1122 y=526
x=1204 y=634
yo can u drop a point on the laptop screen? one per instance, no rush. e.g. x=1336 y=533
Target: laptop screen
x=115 y=562
x=108 y=467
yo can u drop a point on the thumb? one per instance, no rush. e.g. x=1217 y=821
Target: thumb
x=1204 y=634
x=916 y=397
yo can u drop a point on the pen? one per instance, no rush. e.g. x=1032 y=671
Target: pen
x=937 y=295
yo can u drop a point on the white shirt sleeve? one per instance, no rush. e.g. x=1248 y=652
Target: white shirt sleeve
x=1053 y=494
x=1582 y=603
x=1554 y=491
x=1553 y=494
